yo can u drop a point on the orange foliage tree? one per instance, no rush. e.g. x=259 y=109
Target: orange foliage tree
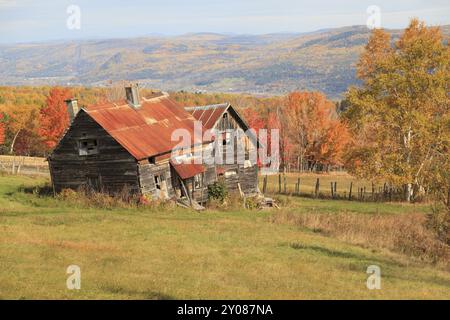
x=54 y=118
x=315 y=133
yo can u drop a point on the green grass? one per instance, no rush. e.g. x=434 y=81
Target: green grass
x=150 y=254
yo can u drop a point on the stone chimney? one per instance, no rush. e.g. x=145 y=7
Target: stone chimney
x=72 y=108
x=132 y=94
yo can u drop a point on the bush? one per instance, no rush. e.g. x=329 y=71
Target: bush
x=439 y=222
x=217 y=191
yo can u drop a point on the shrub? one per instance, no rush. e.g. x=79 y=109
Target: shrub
x=252 y=203
x=439 y=222
x=217 y=191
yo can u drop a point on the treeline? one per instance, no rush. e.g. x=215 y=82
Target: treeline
x=23 y=116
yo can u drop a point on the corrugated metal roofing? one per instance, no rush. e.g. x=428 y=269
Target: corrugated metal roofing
x=187 y=170
x=145 y=131
x=208 y=115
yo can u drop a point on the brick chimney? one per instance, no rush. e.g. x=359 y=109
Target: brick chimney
x=72 y=108
x=132 y=94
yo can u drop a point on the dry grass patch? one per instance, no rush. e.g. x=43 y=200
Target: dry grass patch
x=405 y=233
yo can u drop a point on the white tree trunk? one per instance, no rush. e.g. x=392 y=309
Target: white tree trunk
x=409 y=192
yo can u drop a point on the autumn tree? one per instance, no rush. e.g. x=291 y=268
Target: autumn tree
x=2 y=129
x=17 y=120
x=400 y=114
x=315 y=133
x=54 y=118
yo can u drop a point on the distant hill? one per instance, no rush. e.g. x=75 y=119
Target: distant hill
x=263 y=64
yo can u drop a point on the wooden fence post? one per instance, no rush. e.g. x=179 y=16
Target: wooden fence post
x=332 y=189
x=350 y=192
x=335 y=189
x=285 y=188
x=265 y=184
x=317 y=188
x=279 y=183
x=448 y=198
x=298 y=186
x=373 y=192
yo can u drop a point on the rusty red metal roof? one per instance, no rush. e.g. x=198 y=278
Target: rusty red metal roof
x=146 y=131
x=187 y=170
x=208 y=115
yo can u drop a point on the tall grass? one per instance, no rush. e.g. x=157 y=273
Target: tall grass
x=406 y=233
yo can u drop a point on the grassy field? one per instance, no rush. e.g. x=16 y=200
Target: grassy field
x=175 y=253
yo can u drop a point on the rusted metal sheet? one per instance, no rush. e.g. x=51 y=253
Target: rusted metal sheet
x=146 y=131
x=208 y=115
x=187 y=170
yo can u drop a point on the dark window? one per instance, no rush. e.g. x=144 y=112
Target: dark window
x=158 y=179
x=227 y=139
x=152 y=160
x=87 y=147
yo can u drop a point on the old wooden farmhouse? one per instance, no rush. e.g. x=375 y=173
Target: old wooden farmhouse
x=225 y=120
x=128 y=144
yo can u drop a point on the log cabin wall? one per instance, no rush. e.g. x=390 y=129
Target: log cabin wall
x=156 y=179
x=107 y=166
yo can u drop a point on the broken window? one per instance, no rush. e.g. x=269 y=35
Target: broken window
x=87 y=147
x=227 y=139
x=158 y=181
x=198 y=181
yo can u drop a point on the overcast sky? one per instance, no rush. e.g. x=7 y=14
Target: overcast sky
x=41 y=20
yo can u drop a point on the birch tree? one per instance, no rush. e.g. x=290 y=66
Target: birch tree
x=400 y=114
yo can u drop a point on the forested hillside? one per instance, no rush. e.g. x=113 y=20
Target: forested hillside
x=263 y=64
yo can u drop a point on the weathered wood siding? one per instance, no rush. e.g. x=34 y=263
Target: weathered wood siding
x=147 y=173
x=246 y=176
x=210 y=175
x=113 y=168
x=198 y=194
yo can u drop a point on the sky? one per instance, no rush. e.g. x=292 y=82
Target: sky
x=44 y=20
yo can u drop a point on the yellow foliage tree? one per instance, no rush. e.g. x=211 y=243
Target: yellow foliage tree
x=400 y=115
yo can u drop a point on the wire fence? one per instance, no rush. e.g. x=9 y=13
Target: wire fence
x=24 y=165
x=338 y=187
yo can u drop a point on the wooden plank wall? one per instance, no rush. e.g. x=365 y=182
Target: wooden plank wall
x=113 y=165
x=147 y=172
